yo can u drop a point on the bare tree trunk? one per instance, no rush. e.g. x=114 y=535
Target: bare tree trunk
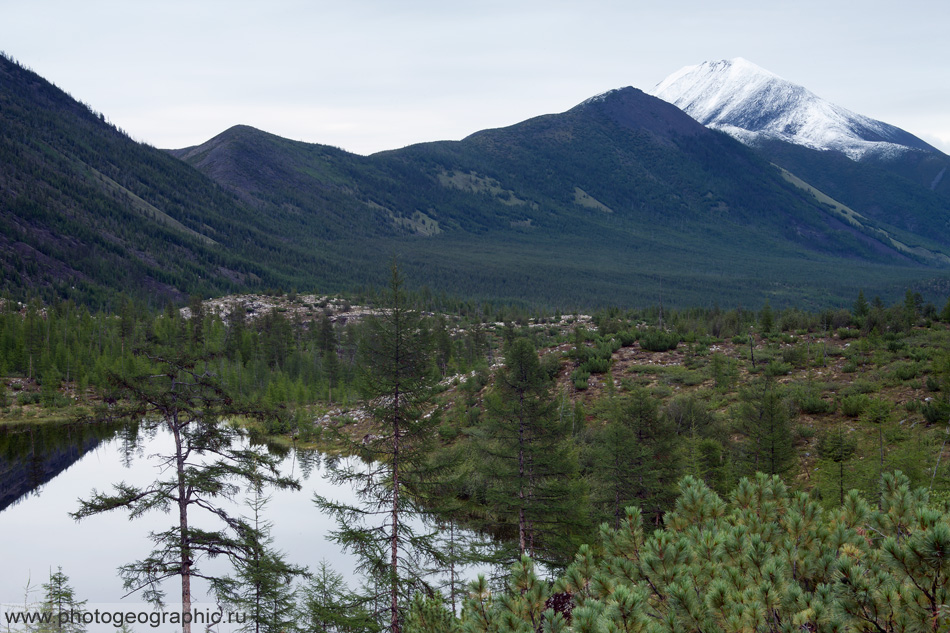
x=183 y=528
x=522 y=523
x=394 y=538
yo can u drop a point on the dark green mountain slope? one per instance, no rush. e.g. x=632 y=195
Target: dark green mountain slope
x=85 y=211
x=623 y=198
x=910 y=192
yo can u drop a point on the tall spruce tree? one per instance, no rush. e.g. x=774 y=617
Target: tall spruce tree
x=397 y=381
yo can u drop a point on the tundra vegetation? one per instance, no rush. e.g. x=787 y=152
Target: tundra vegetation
x=632 y=470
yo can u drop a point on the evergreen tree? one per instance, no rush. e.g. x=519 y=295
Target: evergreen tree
x=634 y=460
x=234 y=339
x=838 y=447
x=428 y=614
x=277 y=339
x=764 y=417
x=945 y=312
x=766 y=319
x=207 y=462
x=397 y=381
x=443 y=345
x=528 y=461
x=261 y=587
x=197 y=321
x=325 y=336
x=861 y=306
x=61 y=606
x=326 y=342
x=327 y=605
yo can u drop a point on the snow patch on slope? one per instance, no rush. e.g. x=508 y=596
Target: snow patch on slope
x=753 y=104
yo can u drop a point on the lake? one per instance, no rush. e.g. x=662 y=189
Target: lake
x=37 y=535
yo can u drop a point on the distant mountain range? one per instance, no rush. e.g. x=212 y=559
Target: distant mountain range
x=623 y=200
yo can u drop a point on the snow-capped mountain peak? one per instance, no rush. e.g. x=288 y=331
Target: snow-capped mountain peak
x=753 y=104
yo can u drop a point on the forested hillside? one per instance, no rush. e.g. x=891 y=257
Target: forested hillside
x=623 y=199
x=622 y=196
x=85 y=212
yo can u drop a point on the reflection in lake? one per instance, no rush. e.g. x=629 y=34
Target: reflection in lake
x=32 y=454
x=64 y=464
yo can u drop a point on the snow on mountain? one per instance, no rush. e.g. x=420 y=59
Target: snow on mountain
x=753 y=104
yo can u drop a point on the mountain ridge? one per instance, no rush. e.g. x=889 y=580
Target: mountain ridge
x=622 y=199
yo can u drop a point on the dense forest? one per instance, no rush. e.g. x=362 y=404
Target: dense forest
x=748 y=469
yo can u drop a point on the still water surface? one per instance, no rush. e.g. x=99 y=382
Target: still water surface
x=37 y=535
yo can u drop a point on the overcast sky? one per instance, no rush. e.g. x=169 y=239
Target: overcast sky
x=370 y=75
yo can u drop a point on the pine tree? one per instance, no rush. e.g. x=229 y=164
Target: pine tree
x=428 y=614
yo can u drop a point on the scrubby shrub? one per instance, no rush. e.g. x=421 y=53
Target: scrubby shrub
x=658 y=341
x=813 y=404
x=683 y=376
x=936 y=412
x=803 y=433
x=862 y=386
x=596 y=365
x=854 y=405
x=904 y=371
x=724 y=371
x=27 y=397
x=551 y=364
x=795 y=355
x=580 y=377
x=627 y=338
x=776 y=368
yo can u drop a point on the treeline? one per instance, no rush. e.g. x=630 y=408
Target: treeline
x=279 y=358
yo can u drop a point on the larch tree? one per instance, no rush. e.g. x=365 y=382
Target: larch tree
x=397 y=379
x=634 y=459
x=528 y=461
x=205 y=469
x=764 y=417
